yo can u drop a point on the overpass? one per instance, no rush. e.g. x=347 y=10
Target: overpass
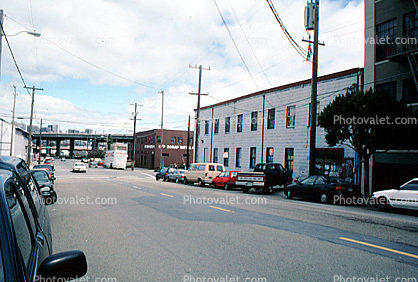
x=97 y=138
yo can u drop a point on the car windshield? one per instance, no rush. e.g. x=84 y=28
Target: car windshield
x=41 y=176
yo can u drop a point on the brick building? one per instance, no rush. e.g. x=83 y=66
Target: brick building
x=174 y=146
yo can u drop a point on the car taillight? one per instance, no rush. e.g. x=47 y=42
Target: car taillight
x=264 y=178
x=206 y=174
x=339 y=188
x=182 y=177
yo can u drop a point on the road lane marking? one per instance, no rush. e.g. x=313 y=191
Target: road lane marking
x=136 y=187
x=221 y=209
x=379 y=247
x=167 y=195
x=149 y=175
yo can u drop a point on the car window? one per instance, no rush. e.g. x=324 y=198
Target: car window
x=270 y=167
x=211 y=168
x=194 y=167
x=320 y=181
x=308 y=181
x=280 y=167
x=219 y=168
x=234 y=174
x=223 y=174
x=260 y=167
x=411 y=186
x=201 y=167
x=20 y=215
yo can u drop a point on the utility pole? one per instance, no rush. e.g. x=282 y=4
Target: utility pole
x=1 y=36
x=40 y=143
x=314 y=83
x=162 y=121
x=13 y=122
x=30 y=123
x=134 y=137
x=188 y=144
x=197 y=128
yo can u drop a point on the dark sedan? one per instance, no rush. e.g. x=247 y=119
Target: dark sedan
x=163 y=173
x=46 y=186
x=51 y=169
x=322 y=188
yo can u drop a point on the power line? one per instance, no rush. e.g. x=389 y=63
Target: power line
x=13 y=57
x=233 y=41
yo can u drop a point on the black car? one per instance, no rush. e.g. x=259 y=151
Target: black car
x=25 y=232
x=322 y=188
x=46 y=186
x=163 y=173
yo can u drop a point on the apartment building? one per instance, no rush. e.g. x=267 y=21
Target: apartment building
x=273 y=126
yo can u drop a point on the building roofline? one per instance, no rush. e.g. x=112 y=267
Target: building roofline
x=286 y=86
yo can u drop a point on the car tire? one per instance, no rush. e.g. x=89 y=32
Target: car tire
x=177 y=180
x=226 y=187
x=383 y=204
x=245 y=190
x=289 y=194
x=268 y=190
x=324 y=198
x=200 y=182
x=185 y=182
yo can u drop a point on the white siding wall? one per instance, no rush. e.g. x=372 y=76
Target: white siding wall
x=278 y=138
x=20 y=141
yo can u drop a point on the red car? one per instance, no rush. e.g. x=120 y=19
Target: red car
x=226 y=179
x=101 y=162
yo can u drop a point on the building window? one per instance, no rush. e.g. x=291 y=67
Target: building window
x=180 y=140
x=290 y=116
x=226 y=157
x=389 y=87
x=215 y=155
x=173 y=140
x=205 y=154
x=216 y=129
x=158 y=139
x=288 y=159
x=271 y=118
x=269 y=154
x=239 y=123
x=409 y=91
x=410 y=23
x=227 y=124
x=253 y=157
x=254 y=120
x=317 y=113
x=238 y=157
x=206 y=127
x=386 y=34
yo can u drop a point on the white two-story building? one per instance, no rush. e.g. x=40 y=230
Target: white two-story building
x=273 y=126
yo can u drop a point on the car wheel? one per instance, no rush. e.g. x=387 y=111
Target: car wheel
x=200 y=183
x=383 y=204
x=324 y=198
x=226 y=187
x=289 y=194
x=185 y=182
x=268 y=190
x=177 y=180
x=245 y=190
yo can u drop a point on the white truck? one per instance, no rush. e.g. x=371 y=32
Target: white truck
x=117 y=156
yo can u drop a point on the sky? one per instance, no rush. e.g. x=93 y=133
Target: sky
x=95 y=59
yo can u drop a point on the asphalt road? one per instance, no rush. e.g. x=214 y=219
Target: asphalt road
x=133 y=228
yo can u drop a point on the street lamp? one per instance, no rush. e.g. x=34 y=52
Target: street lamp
x=36 y=34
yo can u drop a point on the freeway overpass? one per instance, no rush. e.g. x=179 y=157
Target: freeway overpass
x=72 y=137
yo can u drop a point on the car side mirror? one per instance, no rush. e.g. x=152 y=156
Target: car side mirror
x=66 y=266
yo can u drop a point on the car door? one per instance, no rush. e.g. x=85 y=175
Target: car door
x=305 y=187
x=406 y=196
x=320 y=185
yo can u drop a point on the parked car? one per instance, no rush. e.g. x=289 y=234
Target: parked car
x=25 y=230
x=225 y=180
x=177 y=175
x=404 y=197
x=264 y=178
x=85 y=160
x=45 y=184
x=93 y=164
x=79 y=167
x=202 y=173
x=163 y=173
x=45 y=166
x=63 y=159
x=101 y=162
x=322 y=188
x=49 y=161
x=129 y=163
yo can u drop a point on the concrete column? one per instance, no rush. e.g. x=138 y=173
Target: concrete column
x=58 y=147
x=71 y=148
